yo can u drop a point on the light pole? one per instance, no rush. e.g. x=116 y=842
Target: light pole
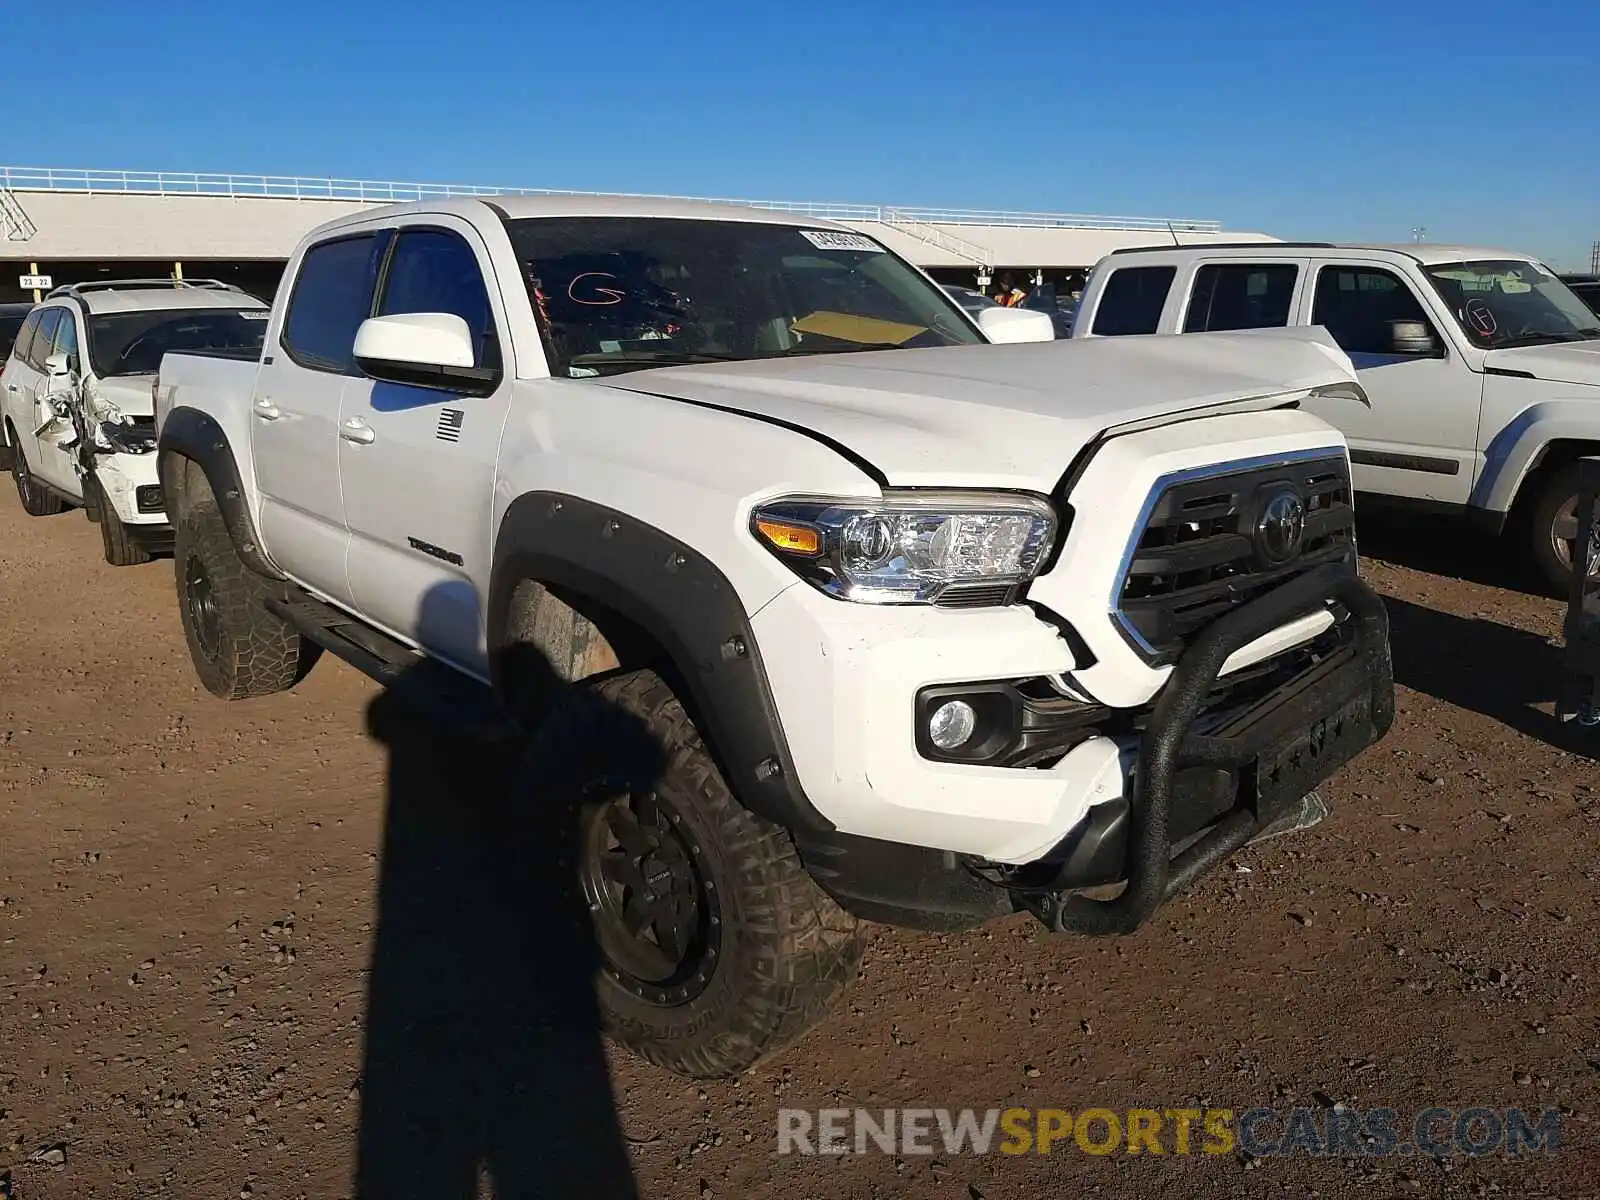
x=1418 y=233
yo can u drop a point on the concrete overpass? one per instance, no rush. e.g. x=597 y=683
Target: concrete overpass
x=80 y=224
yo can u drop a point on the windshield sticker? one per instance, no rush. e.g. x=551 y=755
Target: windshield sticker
x=253 y=315
x=848 y=327
x=832 y=239
x=1481 y=317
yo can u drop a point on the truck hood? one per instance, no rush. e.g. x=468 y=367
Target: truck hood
x=1013 y=415
x=1564 y=362
x=130 y=394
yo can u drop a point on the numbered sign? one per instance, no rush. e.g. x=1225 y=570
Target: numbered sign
x=29 y=283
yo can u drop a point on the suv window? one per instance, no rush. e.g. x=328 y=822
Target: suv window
x=25 y=337
x=1240 y=296
x=332 y=296
x=66 y=340
x=1132 y=300
x=43 y=338
x=432 y=270
x=1356 y=304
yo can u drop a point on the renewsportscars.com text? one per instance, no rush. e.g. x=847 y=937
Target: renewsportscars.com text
x=1337 y=1132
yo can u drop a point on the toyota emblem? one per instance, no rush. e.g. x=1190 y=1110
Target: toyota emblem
x=1282 y=528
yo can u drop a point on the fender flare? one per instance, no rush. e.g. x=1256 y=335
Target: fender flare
x=1519 y=448
x=195 y=435
x=682 y=600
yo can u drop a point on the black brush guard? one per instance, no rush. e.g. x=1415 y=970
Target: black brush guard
x=1310 y=731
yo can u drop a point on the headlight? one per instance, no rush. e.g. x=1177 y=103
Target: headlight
x=962 y=549
x=127 y=439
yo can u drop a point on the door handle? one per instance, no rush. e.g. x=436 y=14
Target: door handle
x=358 y=431
x=267 y=410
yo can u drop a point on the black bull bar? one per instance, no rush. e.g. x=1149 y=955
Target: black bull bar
x=1315 y=730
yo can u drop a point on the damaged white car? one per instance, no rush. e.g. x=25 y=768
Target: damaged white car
x=76 y=409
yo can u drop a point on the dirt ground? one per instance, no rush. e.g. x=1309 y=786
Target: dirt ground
x=255 y=949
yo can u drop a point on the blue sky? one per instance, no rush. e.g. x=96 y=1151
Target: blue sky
x=1474 y=119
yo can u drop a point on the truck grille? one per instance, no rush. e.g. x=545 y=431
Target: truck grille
x=1214 y=540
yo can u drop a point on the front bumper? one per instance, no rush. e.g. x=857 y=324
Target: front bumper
x=1264 y=761
x=133 y=488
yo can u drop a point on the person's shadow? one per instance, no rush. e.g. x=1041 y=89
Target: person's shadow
x=1485 y=667
x=484 y=1054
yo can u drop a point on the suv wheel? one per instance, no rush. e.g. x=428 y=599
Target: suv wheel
x=1553 y=529
x=37 y=500
x=238 y=647
x=122 y=548
x=715 y=947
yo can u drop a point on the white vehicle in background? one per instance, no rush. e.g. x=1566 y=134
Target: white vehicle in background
x=1481 y=367
x=930 y=630
x=76 y=408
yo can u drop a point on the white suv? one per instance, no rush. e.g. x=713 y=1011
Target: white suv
x=75 y=396
x=1482 y=368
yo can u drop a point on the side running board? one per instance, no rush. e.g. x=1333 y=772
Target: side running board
x=463 y=705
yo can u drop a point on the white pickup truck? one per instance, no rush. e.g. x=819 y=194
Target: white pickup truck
x=934 y=630
x=76 y=413
x=1482 y=368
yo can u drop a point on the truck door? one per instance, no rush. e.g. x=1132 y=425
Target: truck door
x=418 y=464
x=1419 y=438
x=294 y=416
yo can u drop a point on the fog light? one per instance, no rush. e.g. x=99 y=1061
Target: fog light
x=952 y=724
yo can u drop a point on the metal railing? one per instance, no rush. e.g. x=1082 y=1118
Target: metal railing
x=297 y=187
x=15 y=223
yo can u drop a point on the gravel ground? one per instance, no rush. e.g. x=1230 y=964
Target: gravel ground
x=290 y=948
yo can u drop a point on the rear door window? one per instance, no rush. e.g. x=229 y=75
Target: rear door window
x=25 y=338
x=1132 y=300
x=1241 y=296
x=43 y=338
x=332 y=296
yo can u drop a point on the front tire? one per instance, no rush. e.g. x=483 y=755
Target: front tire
x=1553 y=528
x=716 y=948
x=37 y=500
x=122 y=548
x=239 y=649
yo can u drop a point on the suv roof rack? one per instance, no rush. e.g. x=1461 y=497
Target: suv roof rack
x=1264 y=247
x=112 y=285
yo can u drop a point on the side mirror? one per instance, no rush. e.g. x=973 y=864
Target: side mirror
x=1411 y=337
x=1008 y=325
x=58 y=366
x=431 y=350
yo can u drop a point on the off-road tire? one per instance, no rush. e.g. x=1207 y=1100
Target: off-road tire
x=37 y=500
x=240 y=650
x=785 y=951
x=122 y=547
x=1554 y=491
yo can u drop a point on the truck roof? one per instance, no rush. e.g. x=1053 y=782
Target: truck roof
x=1426 y=253
x=516 y=207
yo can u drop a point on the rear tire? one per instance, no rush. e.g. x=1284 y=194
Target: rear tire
x=37 y=500
x=239 y=649
x=122 y=548
x=1553 y=527
x=740 y=952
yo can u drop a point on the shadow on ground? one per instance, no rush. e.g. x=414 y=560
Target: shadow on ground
x=484 y=1056
x=1445 y=546
x=1484 y=667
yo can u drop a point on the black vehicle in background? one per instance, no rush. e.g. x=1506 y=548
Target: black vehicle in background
x=11 y=316
x=1586 y=288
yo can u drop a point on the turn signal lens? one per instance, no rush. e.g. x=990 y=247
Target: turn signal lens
x=790 y=539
